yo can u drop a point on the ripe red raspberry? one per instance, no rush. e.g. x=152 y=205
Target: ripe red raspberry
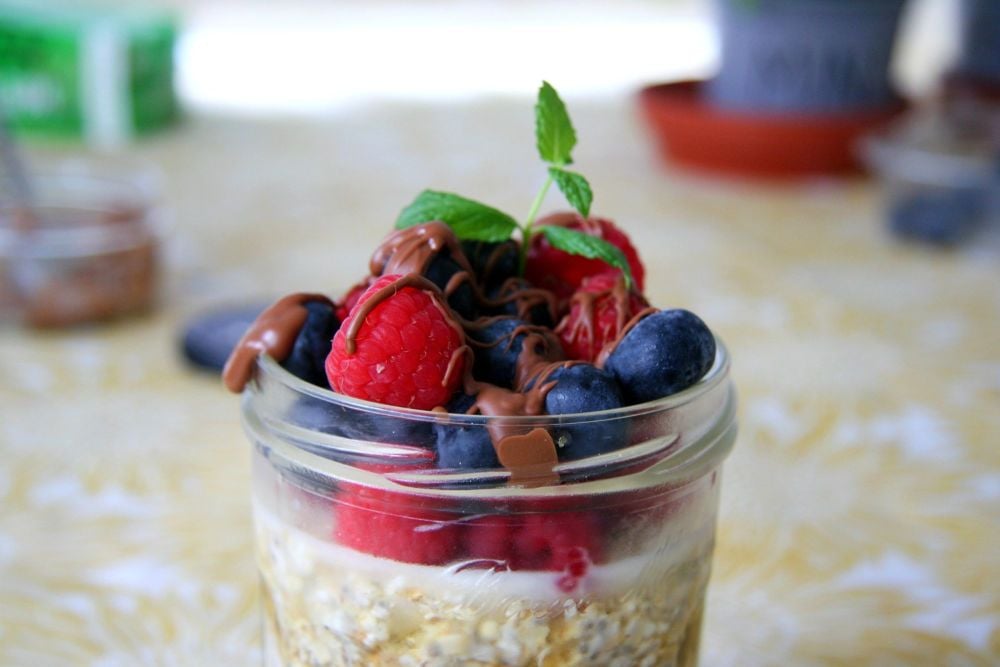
x=407 y=350
x=598 y=311
x=402 y=527
x=566 y=542
x=563 y=273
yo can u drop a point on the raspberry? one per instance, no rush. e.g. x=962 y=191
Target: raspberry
x=598 y=312
x=565 y=542
x=407 y=350
x=392 y=525
x=561 y=272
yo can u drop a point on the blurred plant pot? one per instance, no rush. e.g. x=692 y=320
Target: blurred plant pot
x=980 y=40
x=805 y=56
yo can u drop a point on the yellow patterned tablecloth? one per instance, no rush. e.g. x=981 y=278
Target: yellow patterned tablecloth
x=861 y=508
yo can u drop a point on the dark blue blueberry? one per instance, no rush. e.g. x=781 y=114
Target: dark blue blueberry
x=497 y=350
x=664 y=353
x=462 y=300
x=499 y=343
x=941 y=217
x=464 y=446
x=308 y=357
x=584 y=388
x=519 y=298
x=493 y=262
x=210 y=337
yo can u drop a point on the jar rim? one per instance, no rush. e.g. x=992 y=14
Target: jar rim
x=717 y=374
x=698 y=440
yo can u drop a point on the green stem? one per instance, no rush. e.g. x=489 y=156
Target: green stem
x=526 y=229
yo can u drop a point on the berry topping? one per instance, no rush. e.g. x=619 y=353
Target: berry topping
x=403 y=527
x=398 y=346
x=662 y=354
x=499 y=345
x=562 y=272
x=578 y=388
x=464 y=446
x=599 y=310
x=312 y=345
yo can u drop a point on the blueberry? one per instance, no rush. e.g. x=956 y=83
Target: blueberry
x=464 y=446
x=209 y=338
x=584 y=388
x=664 y=353
x=462 y=300
x=499 y=343
x=941 y=217
x=493 y=262
x=308 y=357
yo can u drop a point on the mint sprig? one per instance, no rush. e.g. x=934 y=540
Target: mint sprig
x=469 y=219
x=555 y=139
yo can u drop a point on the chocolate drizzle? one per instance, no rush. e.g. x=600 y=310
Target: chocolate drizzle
x=527 y=451
x=524 y=297
x=274 y=333
x=411 y=250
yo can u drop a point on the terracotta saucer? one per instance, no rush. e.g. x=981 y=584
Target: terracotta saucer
x=691 y=133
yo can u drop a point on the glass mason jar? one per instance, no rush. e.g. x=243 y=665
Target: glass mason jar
x=369 y=554
x=86 y=250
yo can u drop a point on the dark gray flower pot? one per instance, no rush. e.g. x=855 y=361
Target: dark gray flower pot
x=805 y=56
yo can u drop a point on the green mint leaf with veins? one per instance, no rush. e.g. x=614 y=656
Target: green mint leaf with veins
x=591 y=247
x=554 y=133
x=575 y=188
x=469 y=219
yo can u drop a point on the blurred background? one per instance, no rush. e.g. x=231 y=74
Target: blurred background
x=818 y=180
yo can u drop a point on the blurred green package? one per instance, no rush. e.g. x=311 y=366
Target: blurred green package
x=100 y=73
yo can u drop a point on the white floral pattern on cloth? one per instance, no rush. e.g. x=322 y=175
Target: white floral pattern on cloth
x=861 y=506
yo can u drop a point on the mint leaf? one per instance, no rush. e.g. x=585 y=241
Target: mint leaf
x=585 y=245
x=554 y=133
x=575 y=188
x=469 y=219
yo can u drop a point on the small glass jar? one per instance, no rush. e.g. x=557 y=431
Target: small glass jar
x=369 y=554
x=86 y=250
